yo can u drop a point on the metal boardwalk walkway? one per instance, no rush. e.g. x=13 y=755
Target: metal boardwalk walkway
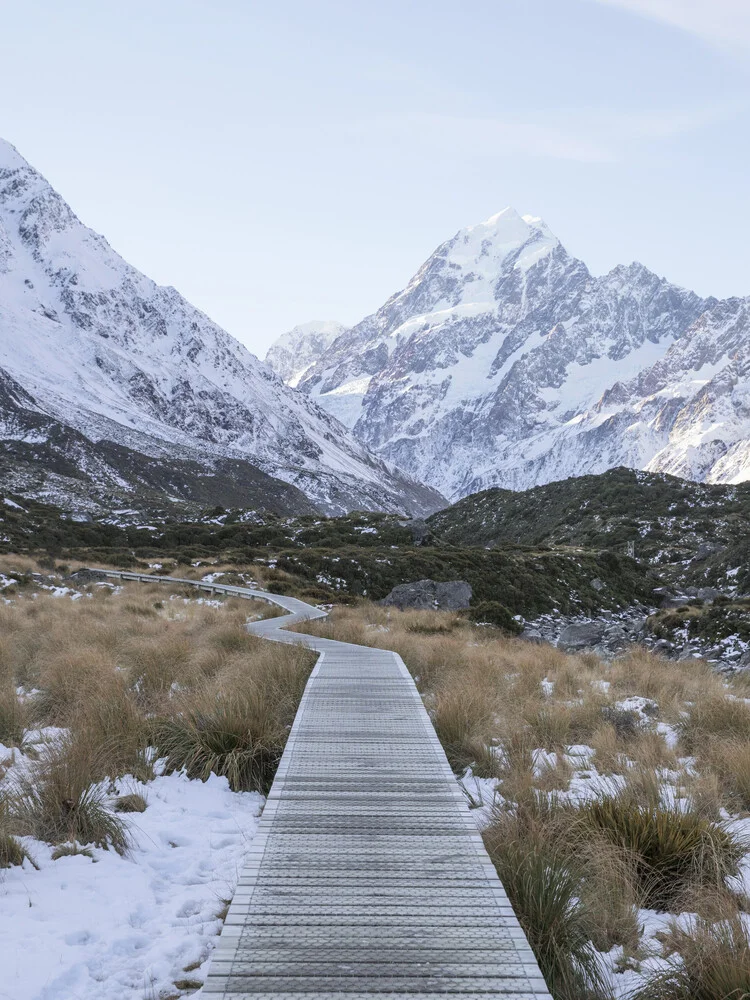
x=367 y=878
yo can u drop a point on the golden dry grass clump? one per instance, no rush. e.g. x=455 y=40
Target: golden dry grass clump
x=129 y=676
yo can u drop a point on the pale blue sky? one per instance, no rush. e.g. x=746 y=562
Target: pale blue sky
x=299 y=160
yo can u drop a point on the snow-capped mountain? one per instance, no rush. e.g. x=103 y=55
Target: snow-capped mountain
x=292 y=353
x=505 y=362
x=109 y=375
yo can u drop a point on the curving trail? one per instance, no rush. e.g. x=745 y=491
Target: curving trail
x=367 y=878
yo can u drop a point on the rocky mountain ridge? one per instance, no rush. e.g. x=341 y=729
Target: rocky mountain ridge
x=505 y=362
x=107 y=375
x=294 y=352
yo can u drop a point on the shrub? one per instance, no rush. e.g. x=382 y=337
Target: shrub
x=671 y=850
x=497 y=614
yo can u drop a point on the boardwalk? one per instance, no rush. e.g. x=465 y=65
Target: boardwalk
x=367 y=878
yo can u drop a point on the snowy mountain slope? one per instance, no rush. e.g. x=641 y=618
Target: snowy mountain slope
x=101 y=349
x=505 y=362
x=292 y=353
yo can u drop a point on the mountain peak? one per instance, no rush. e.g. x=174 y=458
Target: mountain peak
x=503 y=234
x=10 y=158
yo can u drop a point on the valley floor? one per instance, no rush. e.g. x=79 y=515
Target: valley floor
x=613 y=794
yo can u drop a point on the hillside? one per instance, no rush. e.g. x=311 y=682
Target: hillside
x=693 y=533
x=104 y=375
x=329 y=559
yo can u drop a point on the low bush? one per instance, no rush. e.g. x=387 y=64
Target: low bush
x=495 y=613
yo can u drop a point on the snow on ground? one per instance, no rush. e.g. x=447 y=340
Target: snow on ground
x=128 y=928
x=484 y=795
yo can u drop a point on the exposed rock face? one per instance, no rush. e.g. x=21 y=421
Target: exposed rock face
x=585 y=636
x=99 y=353
x=504 y=362
x=455 y=595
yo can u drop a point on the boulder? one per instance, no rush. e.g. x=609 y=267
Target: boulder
x=581 y=636
x=420 y=531
x=663 y=646
x=675 y=602
x=454 y=595
x=597 y=584
x=531 y=635
x=708 y=593
x=708 y=549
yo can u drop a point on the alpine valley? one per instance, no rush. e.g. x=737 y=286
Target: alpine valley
x=115 y=391
x=505 y=362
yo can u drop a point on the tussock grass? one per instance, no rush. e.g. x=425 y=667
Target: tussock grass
x=11 y=851
x=61 y=803
x=715 y=716
x=670 y=849
x=711 y=962
x=127 y=676
x=545 y=886
x=239 y=728
x=12 y=716
x=461 y=717
x=133 y=802
x=71 y=851
x=728 y=759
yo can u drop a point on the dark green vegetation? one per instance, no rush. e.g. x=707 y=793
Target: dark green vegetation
x=668 y=847
x=671 y=522
x=711 y=623
x=523 y=553
x=324 y=559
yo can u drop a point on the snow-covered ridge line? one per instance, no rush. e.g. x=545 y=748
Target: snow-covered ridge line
x=505 y=362
x=99 y=348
